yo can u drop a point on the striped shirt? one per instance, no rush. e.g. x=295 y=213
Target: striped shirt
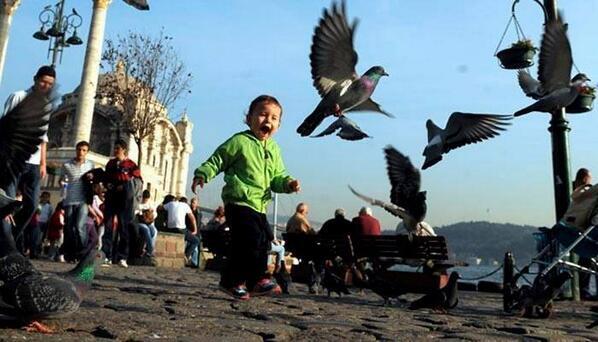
x=73 y=171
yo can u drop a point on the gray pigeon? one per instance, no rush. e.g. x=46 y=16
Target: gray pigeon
x=348 y=130
x=554 y=71
x=407 y=202
x=442 y=299
x=138 y=4
x=333 y=61
x=32 y=295
x=461 y=129
x=533 y=88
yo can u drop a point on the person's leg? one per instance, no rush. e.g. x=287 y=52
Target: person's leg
x=80 y=229
x=245 y=236
x=123 y=236
x=192 y=241
x=145 y=234
x=34 y=242
x=259 y=261
x=108 y=236
x=69 y=245
x=29 y=185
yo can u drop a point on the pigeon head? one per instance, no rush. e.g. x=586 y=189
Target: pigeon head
x=580 y=77
x=375 y=72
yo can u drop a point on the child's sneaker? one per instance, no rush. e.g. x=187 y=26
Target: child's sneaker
x=238 y=292
x=266 y=287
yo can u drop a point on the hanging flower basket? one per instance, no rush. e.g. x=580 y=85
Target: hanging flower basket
x=584 y=102
x=519 y=56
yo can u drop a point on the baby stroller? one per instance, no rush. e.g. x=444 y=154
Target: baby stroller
x=535 y=300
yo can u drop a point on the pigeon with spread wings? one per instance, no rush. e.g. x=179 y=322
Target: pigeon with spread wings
x=461 y=129
x=407 y=201
x=556 y=88
x=333 y=61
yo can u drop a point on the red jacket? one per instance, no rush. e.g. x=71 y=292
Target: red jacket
x=119 y=173
x=367 y=225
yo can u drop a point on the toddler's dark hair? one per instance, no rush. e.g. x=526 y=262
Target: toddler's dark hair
x=260 y=99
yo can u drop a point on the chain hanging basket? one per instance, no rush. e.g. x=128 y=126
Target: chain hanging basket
x=521 y=53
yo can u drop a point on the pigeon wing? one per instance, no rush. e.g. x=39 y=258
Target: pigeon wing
x=530 y=86
x=141 y=5
x=21 y=131
x=404 y=178
x=370 y=106
x=391 y=208
x=467 y=128
x=336 y=124
x=43 y=295
x=554 y=69
x=333 y=57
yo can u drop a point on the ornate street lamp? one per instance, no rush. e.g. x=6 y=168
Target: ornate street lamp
x=58 y=27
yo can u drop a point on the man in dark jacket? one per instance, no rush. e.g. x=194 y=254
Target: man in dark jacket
x=336 y=226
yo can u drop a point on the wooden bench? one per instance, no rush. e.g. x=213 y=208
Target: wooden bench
x=430 y=253
x=316 y=247
x=312 y=250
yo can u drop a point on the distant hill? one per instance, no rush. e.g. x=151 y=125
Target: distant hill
x=489 y=241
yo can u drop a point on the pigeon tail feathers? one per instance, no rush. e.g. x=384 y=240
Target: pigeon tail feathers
x=311 y=122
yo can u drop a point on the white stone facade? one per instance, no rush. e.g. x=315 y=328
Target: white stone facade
x=166 y=151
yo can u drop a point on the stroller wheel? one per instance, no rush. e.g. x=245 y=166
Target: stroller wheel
x=545 y=312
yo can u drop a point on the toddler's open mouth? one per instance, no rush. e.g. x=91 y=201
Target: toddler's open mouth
x=265 y=129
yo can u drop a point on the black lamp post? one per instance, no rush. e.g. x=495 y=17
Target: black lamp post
x=55 y=27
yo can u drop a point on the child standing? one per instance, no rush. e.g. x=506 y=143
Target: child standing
x=253 y=168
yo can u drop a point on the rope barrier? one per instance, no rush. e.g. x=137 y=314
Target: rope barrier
x=484 y=276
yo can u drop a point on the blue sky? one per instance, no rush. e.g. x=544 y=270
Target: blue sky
x=439 y=55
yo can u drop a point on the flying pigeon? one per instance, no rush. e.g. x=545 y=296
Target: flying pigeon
x=407 y=202
x=333 y=60
x=461 y=129
x=348 y=130
x=533 y=88
x=141 y=5
x=21 y=132
x=554 y=72
x=442 y=299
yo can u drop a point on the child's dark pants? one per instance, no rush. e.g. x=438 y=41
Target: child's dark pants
x=250 y=242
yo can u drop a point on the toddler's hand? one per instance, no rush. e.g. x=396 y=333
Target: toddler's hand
x=294 y=185
x=196 y=181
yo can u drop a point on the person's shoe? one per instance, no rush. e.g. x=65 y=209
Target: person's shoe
x=238 y=292
x=106 y=263
x=123 y=263
x=61 y=258
x=313 y=289
x=266 y=287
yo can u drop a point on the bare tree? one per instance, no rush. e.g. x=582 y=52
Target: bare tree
x=145 y=79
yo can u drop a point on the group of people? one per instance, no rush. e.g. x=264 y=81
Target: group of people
x=362 y=224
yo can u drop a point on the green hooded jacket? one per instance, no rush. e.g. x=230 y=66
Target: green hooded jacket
x=252 y=170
